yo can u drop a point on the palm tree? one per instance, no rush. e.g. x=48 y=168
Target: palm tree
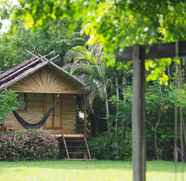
x=89 y=65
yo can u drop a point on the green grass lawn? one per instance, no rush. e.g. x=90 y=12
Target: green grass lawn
x=84 y=171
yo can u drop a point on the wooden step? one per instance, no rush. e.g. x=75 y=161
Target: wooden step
x=73 y=135
x=76 y=152
x=76 y=145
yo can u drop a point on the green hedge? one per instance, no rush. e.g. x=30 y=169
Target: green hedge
x=28 y=145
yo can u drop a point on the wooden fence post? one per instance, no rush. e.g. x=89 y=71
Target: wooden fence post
x=138 y=117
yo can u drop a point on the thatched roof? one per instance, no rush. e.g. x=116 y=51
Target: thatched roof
x=28 y=67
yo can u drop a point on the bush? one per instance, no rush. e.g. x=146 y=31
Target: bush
x=111 y=147
x=8 y=102
x=28 y=145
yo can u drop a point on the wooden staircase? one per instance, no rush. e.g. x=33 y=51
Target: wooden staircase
x=76 y=146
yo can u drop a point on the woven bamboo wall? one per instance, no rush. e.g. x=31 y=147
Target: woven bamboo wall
x=63 y=119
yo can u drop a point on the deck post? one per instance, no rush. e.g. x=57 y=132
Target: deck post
x=138 y=117
x=85 y=114
x=61 y=112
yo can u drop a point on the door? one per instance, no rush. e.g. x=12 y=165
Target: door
x=63 y=117
x=54 y=121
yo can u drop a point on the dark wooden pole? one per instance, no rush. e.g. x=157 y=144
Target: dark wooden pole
x=85 y=114
x=138 y=117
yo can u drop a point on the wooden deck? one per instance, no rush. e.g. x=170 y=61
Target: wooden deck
x=59 y=132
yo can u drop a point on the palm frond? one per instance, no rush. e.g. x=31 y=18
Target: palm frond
x=79 y=53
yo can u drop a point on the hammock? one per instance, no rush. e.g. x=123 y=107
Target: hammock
x=37 y=125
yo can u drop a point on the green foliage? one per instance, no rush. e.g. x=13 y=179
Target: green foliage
x=177 y=97
x=13 y=47
x=117 y=144
x=156 y=70
x=8 y=102
x=28 y=145
x=107 y=26
x=36 y=13
x=111 y=147
x=123 y=112
x=10 y=53
x=90 y=63
x=159 y=121
x=80 y=53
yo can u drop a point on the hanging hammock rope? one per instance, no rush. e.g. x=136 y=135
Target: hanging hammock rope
x=25 y=124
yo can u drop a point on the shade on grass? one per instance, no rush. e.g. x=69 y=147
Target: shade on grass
x=84 y=171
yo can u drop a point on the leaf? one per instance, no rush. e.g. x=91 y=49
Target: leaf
x=28 y=20
x=164 y=79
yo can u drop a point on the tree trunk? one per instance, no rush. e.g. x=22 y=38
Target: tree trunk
x=176 y=127
x=181 y=135
x=180 y=82
x=175 y=134
x=156 y=148
x=117 y=105
x=107 y=109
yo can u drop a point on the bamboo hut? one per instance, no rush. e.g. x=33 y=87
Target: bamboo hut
x=50 y=98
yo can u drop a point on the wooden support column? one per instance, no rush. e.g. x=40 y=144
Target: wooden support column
x=61 y=112
x=85 y=113
x=138 y=117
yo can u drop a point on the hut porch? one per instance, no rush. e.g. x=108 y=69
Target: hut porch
x=64 y=119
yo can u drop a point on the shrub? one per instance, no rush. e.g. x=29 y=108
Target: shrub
x=111 y=147
x=8 y=102
x=28 y=145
